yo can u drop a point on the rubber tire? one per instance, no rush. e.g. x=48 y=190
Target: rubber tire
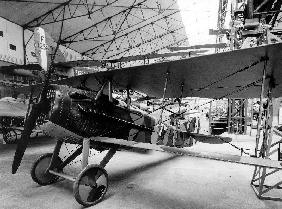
x=50 y=178
x=77 y=183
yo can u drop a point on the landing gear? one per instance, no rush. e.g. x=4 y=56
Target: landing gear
x=91 y=185
x=39 y=172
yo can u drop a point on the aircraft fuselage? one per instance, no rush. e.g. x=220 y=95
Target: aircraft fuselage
x=89 y=118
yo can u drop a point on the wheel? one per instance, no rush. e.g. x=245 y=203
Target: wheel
x=10 y=137
x=39 y=171
x=91 y=185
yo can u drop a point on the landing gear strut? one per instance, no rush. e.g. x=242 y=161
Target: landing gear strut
x=39 y=171
x=89 y=187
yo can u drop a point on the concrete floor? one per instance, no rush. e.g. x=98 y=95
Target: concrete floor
x=136 y=180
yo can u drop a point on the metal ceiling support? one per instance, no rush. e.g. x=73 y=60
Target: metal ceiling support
x=39 y=20
x=72 y=11
x=181 y=41
x=129 y=34
x=86 y=32
x=122 y=40
x=121 y=53
x=121 y=36
x=115 y=29
x=222 y=10
x=120 y=25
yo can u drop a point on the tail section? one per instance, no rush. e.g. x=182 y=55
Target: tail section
x=41 y=47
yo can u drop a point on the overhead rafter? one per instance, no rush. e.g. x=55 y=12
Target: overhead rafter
x=127 y=33
x=86 y=32
x=38 y=21
x=82 y=9
x=107 y=29
x=137 y=46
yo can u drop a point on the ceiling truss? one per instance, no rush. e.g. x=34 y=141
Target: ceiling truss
x=114 y=28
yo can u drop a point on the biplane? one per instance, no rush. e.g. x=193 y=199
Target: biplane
x=95 y=120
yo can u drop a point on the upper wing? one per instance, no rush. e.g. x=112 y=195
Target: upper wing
x=230 y=74
x=236 y=74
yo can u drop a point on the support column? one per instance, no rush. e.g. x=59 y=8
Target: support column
x=110 y=91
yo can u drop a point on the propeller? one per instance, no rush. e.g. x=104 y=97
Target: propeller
x=43 y=106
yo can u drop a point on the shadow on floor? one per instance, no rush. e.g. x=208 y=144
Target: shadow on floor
x=117 y=177
x=127 y=173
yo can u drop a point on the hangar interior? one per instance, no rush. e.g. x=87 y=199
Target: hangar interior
x=110 y=104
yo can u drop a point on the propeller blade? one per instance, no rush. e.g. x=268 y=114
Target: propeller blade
x=43 y=106
x=22 y=144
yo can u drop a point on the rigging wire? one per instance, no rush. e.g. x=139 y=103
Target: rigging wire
x=228 y=94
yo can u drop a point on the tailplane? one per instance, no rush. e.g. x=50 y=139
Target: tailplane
x=41 y=47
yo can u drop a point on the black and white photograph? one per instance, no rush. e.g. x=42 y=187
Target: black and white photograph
x=141 y=104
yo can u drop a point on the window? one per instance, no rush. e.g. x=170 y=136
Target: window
x=13 y=47
x=1 y=33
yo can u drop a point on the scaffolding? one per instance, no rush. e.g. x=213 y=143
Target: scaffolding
x=237 y=115
x=266 y=181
